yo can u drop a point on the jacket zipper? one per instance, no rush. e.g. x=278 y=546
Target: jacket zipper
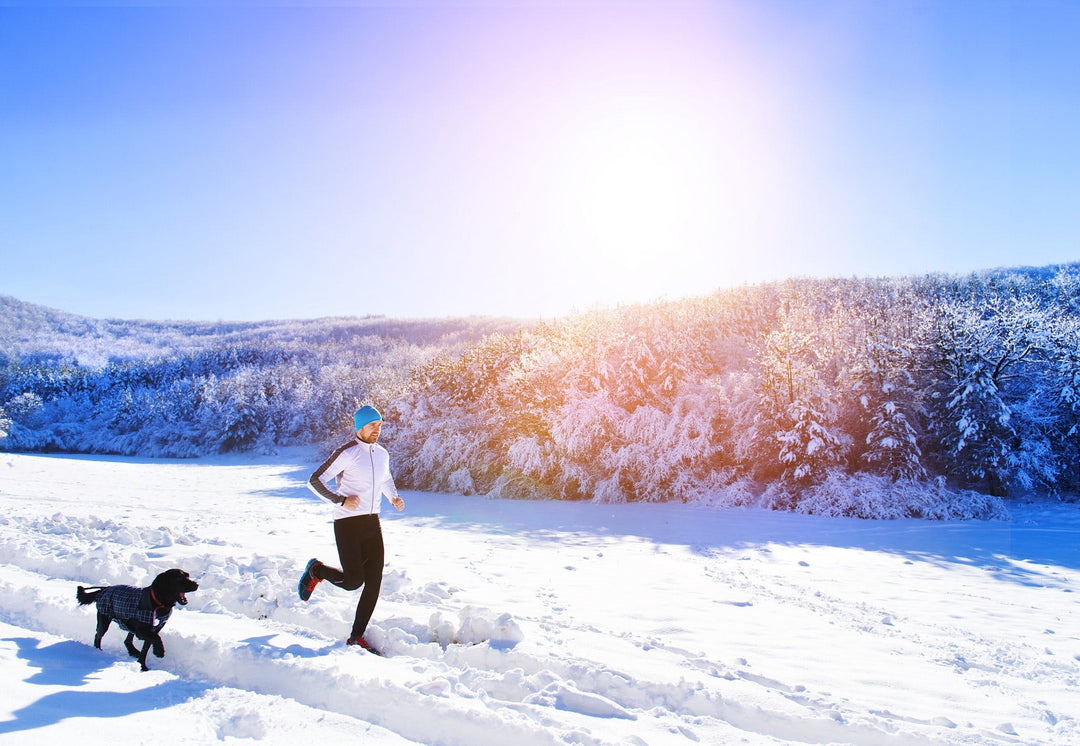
x=371 y=455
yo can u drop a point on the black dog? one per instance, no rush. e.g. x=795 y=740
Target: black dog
x=142 y=612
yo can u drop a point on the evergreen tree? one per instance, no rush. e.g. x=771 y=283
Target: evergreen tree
x=1066 y=398
x=794 y=431
x=884 y=389
x=809 y=446
x=892 y=443
x=977 y=434
x=984 y=352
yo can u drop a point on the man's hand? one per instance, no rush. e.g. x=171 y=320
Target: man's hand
x=352 y=502
x=398 y=503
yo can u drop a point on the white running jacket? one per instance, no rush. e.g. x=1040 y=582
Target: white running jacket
x=361 y=469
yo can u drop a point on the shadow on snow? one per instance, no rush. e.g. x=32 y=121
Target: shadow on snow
x=73 y=665
x=1016 y=550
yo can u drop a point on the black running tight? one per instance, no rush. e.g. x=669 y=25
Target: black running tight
x=360 y=549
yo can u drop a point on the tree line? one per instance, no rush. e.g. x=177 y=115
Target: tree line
x=927 y=395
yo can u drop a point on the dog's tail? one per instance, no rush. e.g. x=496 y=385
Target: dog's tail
x=88 y=595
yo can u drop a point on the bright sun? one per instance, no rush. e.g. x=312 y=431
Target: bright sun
x=643 y=189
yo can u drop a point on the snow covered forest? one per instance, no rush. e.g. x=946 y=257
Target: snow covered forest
x=931 y=396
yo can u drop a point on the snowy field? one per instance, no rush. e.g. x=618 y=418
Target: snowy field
x=528 y=623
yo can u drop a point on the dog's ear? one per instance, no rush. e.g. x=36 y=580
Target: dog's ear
x=171 y=585
x=185 y=583
x=164 y=586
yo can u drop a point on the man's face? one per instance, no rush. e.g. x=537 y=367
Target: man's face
x=369 y=433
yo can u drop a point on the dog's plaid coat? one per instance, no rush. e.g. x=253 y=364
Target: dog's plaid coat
x=123 y=602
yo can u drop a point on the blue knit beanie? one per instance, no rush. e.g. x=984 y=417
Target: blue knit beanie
x=364 y=416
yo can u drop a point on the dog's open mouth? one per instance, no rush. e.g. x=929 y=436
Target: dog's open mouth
x=182 y=599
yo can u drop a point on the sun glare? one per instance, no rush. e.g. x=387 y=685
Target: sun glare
x=634 y=186
x=641 y=187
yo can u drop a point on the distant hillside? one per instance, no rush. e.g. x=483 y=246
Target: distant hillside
x=33 y=332
x=929 y=396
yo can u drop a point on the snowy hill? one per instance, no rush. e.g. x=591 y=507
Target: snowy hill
x=526 y=622
x=931 y=397
x=30 y=330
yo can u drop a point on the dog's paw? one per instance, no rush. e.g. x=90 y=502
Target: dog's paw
x=159 y=650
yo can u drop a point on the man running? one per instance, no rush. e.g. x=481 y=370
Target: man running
x=362 y=470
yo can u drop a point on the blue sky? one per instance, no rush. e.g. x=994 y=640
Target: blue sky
x=529 y=158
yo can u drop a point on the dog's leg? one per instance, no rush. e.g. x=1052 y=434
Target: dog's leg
x=142 y=655
x=103 y=622
x=129 y=643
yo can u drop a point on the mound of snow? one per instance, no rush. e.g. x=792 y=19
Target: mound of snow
x=875 y=497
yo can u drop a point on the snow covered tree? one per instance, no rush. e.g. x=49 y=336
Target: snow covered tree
x=809 y=446
x=892 y=447
x=976 y=433
x=25 y=408
x=883 y=389
x=1065 y=394
x=124 y=416
x=982 y=356
x=242 y=413
x=793 y=431
x=31 y=423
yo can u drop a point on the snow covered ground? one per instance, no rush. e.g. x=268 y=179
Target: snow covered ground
x=593 y=624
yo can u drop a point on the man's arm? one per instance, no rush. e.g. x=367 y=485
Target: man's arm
x=326 y=470
x=390 y=489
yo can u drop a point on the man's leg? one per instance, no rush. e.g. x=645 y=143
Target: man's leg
x=348 y=533
x=371 y=544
